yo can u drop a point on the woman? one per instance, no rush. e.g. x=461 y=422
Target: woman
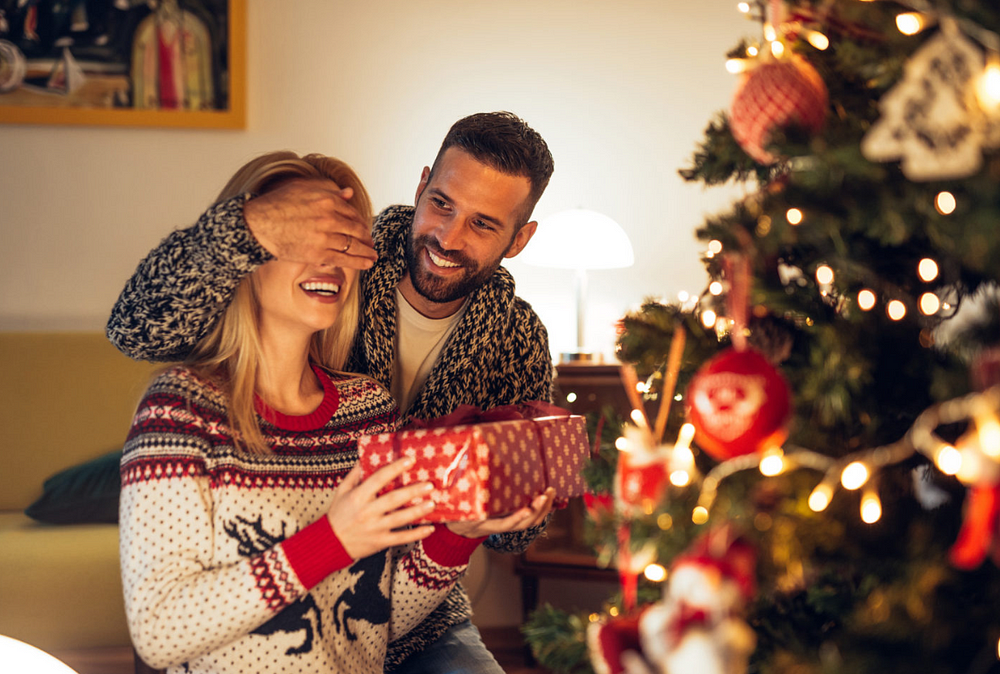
x=248 y=541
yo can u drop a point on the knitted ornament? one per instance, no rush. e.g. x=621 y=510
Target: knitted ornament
x=775 y=95
x=739 y=404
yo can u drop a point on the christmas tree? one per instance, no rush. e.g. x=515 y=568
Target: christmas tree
x=815 y=486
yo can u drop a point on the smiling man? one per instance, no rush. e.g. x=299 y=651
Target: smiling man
x=440 y=325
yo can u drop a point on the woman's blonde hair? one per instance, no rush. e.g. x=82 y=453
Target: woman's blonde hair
x=230 y=354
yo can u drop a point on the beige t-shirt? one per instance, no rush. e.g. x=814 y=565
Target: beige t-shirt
x=419 y=341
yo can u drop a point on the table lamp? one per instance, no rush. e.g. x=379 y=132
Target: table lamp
x=17 y=657
x=579 y=239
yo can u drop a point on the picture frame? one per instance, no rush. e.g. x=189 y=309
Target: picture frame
x=126 y=75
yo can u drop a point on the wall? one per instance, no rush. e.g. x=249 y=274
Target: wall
x=620 y=90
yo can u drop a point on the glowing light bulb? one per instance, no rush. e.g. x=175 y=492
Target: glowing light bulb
x=817 y=39
x=896 y=310
x=854 y=476
x=683 y=296
x=736 y=66
x=744 y=7
x=927 y=269
x=988 y=428
x=866 y=300
x=715 y=246
x=820 y=497
x=777 y=49
x=772 y=462
x=794 y=216
x=571 y=397
x=685 y=435
x=593 y=617
x=988 y=86
x=752 y=50
x=871 y=508
x=655 y=573
x=972 y=466
x=664 y=521
x=613 y=611
x=945 y=203
x=708 y=318
x=824 y=275
x=715 y=288
x=700 y=515
x=638 y=418
x=948 y=460
x=909 y=23
x=680 y=478
x=769 y=33
x=929 y=304
x=621 y=444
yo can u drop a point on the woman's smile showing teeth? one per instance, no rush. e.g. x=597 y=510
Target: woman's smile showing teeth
x=327 y=289
x=440 y=261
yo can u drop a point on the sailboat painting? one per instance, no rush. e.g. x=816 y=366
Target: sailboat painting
x=123 y=62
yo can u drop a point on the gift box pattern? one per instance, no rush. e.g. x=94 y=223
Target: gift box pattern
x=488 y=469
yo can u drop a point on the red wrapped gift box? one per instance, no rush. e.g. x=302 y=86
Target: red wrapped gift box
x=485 y=469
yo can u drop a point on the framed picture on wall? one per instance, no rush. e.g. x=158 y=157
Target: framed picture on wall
x=160 y=63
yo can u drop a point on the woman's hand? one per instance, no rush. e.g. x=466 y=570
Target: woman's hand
x=367 y=523
x=527 y=517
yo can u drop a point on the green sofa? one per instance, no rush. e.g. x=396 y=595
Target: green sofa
x=65 y=398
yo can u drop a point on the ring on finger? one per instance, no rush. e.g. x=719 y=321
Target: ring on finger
x=350 y=240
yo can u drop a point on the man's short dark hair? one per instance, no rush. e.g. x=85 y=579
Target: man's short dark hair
x=503 y=141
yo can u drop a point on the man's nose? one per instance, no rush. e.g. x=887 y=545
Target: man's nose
x=449 y=234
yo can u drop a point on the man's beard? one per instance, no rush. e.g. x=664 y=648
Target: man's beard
x=437 y=289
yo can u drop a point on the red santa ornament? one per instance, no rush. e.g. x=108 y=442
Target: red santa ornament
x=776 y=94
x=739 y=404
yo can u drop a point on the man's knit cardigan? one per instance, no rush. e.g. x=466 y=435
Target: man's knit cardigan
x=497 y=355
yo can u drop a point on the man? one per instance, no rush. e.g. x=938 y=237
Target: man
x=440 y=325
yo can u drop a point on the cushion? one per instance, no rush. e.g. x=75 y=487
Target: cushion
x=84 y=493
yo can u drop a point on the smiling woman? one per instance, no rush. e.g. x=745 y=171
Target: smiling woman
x=243 y=522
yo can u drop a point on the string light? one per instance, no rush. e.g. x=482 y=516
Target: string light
x=945 y=203
x=927 y=269
x=708 y=318
x=896 y=310
x=638 y=418
x=820 y=497
x=824 y=275
x=744 y=7
x=715 y=288
x=794 y=216
x=571 y=397
x=817 y=39
x=769 y=33
x=988 y=428
x=777 y=49
x=910 y=23
x=871 y=506
x=948 y=460
x=613 y=611
x=680 y=478
x=866 y=300
x=988 y=86
x=655 y=573
x=621 y=444
x=854 y=476
x=664 y=521
x=736 y=66
x=752 y=50
x=683 y=296
x=929 y=304
x=772 y=462
x=715 y=246
x=700 y=515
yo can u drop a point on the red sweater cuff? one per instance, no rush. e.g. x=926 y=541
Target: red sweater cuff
x=315 y=552
x=449 y=549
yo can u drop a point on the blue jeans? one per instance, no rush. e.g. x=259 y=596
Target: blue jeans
x=460 y=650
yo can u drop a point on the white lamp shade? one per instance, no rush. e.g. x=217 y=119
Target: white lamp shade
x=579 y=239
x=17 y=657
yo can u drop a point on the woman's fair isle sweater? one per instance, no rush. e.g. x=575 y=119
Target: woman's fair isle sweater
x=229 y=562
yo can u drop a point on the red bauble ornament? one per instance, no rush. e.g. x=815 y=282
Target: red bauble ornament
x=739 y=404
x=775 y=95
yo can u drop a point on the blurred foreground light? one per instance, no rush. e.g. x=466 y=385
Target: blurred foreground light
x=700 y=515
x=794 y=216
x=988 y=86
x=17 y=656
x=866 y=300
x=715 y=288
x=824 y=275
x=929 y=304
x=948 y=460
x=708 y=318
x=772 y=462
x=927 y=269
x=744 y=7
x=680 y=478
x=715 y=246
x=945 y=203
x=777 y=48
x=655 y=573
x=910 y=23
x=817 y=39
x=621 y=444
x=736 y=66
x=854 y=476
x=820 y=497
x=896 y=310
x=871 y=508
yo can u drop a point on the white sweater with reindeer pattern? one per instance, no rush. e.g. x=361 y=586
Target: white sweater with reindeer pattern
x=229 y=562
